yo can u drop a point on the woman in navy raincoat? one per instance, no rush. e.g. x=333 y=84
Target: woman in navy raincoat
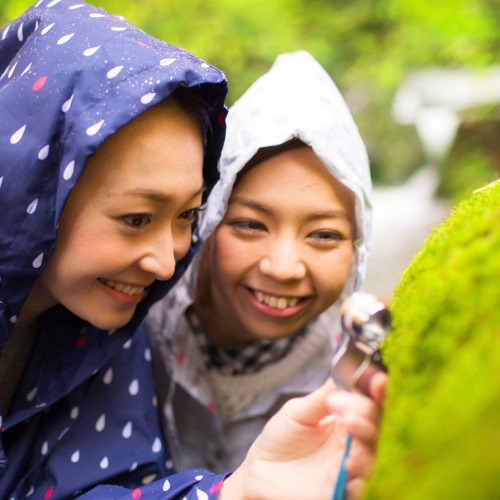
x=83 y=412
x=103 y=143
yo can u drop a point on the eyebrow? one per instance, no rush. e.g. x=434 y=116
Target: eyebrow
x=326 y=214
x=156 y=195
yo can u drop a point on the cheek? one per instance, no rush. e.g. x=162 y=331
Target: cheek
x=331 y=271
x=182 y=244
x=228 y=255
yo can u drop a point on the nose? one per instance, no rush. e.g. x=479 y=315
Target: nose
x=282 y=261
x=162 y=253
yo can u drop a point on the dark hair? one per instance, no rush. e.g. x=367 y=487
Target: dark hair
x=266 y=153
x=191 y=100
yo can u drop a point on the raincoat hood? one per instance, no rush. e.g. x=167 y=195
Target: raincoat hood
x=298 y=99
x=70 y=76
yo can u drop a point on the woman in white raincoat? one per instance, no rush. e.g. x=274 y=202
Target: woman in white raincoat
x=268 y=335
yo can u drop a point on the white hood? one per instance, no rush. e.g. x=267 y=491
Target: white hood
x=297 y=99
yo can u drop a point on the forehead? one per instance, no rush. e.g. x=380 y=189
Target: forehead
x=298 y=172
x=161 y=149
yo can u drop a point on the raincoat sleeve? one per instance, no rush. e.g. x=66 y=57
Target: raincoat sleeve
x=193 y=484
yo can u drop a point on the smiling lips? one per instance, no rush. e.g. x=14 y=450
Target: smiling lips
x=123 y=288
x=276 y=302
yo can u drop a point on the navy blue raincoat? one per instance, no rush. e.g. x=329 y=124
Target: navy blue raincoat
x=84 y=413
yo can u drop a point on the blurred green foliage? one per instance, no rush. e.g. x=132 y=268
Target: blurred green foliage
x=440 y=435
x=474 y=157
x=365 y=45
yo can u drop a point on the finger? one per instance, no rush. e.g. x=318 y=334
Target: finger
x=313 y=408
x=378 y=386
x=361 y=428
x=341 y=402
x=354 y=489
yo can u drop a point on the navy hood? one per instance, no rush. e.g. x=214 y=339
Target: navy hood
x=72 y=75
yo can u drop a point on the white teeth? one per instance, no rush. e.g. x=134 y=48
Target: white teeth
x=276 y=302
x=281 y=303
x=127 y=289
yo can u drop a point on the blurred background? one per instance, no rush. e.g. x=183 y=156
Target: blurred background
x=422 y=79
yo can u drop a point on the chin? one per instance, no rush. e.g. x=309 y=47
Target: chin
x=109 y=324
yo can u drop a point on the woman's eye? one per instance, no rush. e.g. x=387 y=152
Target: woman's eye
x=327 y=236
x=190 y=215
x=137 y=221
x=248 y=225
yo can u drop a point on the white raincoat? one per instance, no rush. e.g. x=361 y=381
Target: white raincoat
x=295 y=99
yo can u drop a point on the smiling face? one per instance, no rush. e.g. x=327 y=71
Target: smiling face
x=127 y=221
x=282 y=253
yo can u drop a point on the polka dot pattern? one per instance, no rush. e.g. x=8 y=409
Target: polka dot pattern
x=85 y=414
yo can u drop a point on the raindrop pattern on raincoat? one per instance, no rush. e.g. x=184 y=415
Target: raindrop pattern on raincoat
x=85 y=411
x=296 y=98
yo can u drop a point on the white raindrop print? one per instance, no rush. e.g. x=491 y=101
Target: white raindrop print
x=166 y=485
x=5 y=31
x=54 y=2
x=26 y=69
x=205 y=65
x=67 y=105
x=30 y=491
x=31 y=394
x=167 y=62
x=38 y=261
x=127 y=430
x=133 y=388
x=11 y=71
x=147 y=354
x=96 y=15
x=39 y=3
x=91 y=51
x=64 y=431
x=45 y=448
x=1 y=180
x=47 y=29
x=198 y=478
x=93 y=129
x=17 y=135
x=13 y=319
x=75 y=457
x=77 y=6
x=74 y=412
x=112 y=73
x=133 y=467
x=104 y=464
x=127 y=344
x=156 y=445
x=32 y=207
x=118 y=28
x=101 y=423
x=201 y=495
x=44 y=152
x=68 y=171
x=65 y=38
x=147 y=98
x=20 y=35
x=108 y=376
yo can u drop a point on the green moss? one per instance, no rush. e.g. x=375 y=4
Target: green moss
x=440 y=437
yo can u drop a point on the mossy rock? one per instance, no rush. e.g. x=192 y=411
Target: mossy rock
x=440 y=436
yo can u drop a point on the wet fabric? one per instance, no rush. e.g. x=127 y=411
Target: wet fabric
x=295 y=99
x=85 y=412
